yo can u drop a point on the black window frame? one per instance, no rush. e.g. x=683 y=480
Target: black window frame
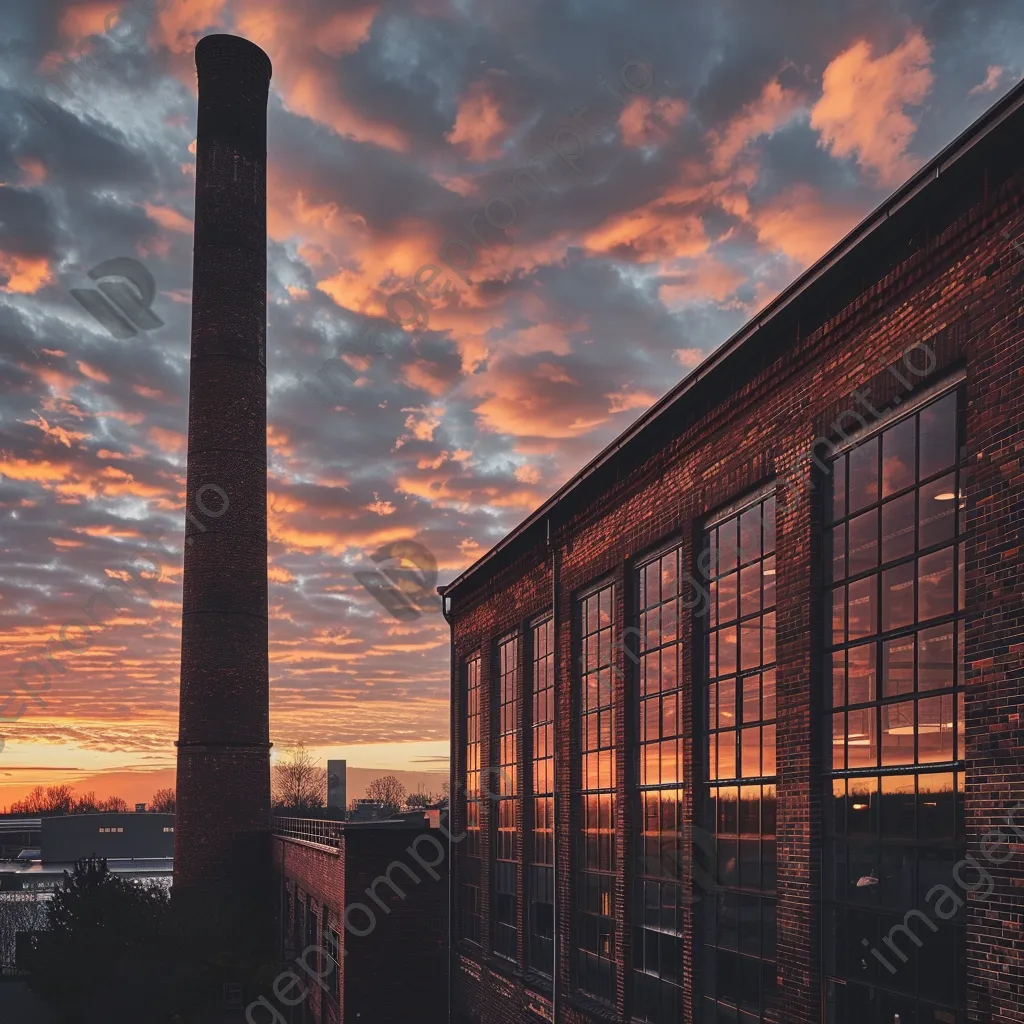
x=594 y=930
x=470 y=855
x=738 y=958
x=656 y=968
x=539 y=847
x=897 y=824
x=506 y=705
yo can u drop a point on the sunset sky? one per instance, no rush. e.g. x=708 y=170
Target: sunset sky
x=652 y=225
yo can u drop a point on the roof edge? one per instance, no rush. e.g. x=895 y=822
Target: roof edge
x=1009 y=104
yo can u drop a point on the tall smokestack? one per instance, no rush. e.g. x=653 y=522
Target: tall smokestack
x=222 y=845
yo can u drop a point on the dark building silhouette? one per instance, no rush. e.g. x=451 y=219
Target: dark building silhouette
x=222 y=848
x=364 y=909
x=113 y=834
x=731 y=708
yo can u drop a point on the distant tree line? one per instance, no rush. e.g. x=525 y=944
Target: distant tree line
x=44 y=800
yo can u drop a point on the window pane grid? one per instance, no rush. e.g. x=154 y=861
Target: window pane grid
x=472 y=917
x=738 y=918
x=893 y=676
x=657 y=893
x=541 y=847
x=595 y=843
x=506 y=847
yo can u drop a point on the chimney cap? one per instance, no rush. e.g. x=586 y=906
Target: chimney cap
x=221 y=48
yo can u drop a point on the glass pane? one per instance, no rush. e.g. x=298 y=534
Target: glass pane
x=863 y=542
x=898 y=597
x=838 y=668
x=861 y=672
x=935 y=584
x=938 y=511
x=935 y=726
x=727 y=597
x=861 y=743
x=750 y=534
x=750 y=749
x=838 y=479
x=935 y=658
x=750 y=589
x=864 y=475
x=898 y=444
x=837 y=542
x=898 y=528
x=938 y=436
x=768 y=694
x=768 y=750
x=862 y=616
x=898 y=733
x=898 y=667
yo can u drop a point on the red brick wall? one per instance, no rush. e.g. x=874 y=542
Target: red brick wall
x=960 y=292
x=314 y=875
x=401 y=961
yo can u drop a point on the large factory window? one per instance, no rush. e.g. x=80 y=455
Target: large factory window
x=738 y=917
x=540 y=848
x=595 y=862
x=894 y=825
x=658 y=854
x=469 y=855
x=506 y=850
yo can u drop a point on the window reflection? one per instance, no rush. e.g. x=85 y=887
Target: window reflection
x=469 y=866
x=506 y=847
x=657 y=895
x=541 y=852
x=595 y=843
x=738 y=929
x=894 y=825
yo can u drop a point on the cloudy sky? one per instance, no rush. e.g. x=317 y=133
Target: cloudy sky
x=631 y=182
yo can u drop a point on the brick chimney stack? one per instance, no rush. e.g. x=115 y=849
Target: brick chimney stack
x=222 y=844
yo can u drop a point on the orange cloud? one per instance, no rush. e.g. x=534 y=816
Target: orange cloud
x=179 y=25
x=654 y=232
x=479 y=126
x=25 y=274
x=775 y=107
x=800 y=224
x=57 y=433
x=991 y=83
x=689 y=357
x=644 y=120
x=861 y=111
x=85 y=19
x=709 y=279
x=304 y=46
x=92 y=373
x=542 y=401
x=623 y=400
x=33 y=171
x=169 y=219
x=168 y=441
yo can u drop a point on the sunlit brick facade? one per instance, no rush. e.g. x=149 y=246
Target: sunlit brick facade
x=772 y=642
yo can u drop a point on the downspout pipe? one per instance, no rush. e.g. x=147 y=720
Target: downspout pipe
x=554 y=837
x=446 y=611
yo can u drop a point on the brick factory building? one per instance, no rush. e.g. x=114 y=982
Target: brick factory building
x=732 y=707
x=378 y=891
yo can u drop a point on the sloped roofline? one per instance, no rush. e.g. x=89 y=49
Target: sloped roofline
x=689 y=386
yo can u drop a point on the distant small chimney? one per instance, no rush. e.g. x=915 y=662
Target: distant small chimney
x=336 y=785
